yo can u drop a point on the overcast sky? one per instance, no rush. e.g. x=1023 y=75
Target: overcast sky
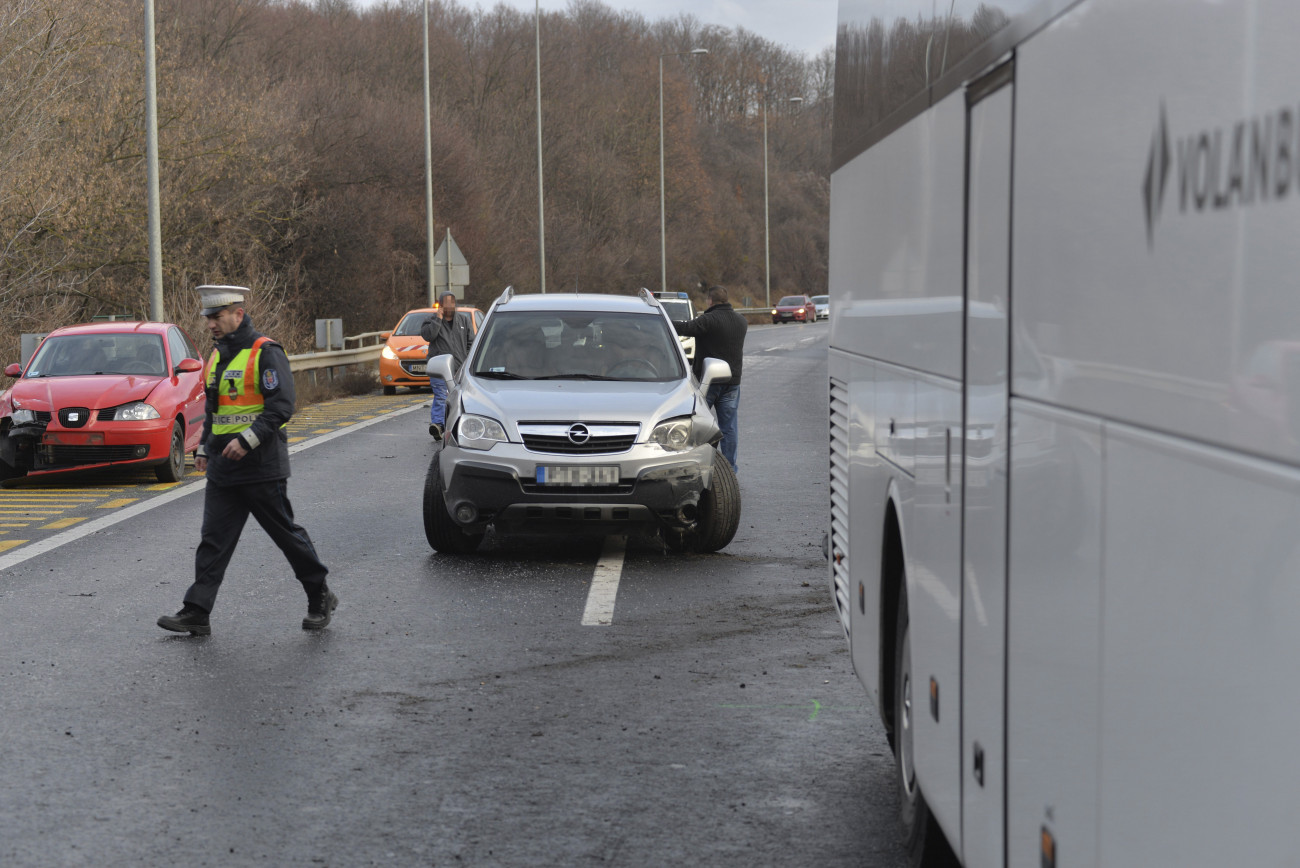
x=806 y=26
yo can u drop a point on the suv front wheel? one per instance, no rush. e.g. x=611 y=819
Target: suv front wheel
x=442 y=532
x=719 y=514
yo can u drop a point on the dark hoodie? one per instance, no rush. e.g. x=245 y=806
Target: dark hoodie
x=266 y=440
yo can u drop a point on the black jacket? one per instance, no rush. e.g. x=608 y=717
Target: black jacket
x=719 y=333
x=268 y=458
x=448 y=338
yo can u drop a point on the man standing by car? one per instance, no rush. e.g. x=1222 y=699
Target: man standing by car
x=450 y=335
x=719 y=333
x=245 y=453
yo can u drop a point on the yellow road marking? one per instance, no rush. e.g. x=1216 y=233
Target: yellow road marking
x=323 y=431
x=67 y=498
x=121 y=501
x=37 y=496
x=10 y=511
x=8 y=544
x=62 y=523
x=14 y=523
x=296 y=439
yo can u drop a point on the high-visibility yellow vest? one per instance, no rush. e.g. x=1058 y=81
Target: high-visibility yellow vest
x=239 y=395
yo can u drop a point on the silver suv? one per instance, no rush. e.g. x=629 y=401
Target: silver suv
x=579 y=412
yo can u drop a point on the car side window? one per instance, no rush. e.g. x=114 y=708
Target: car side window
x=175 y=347
x=191 y=351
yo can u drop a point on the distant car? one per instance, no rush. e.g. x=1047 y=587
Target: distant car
x=104 y=394
x=823 y=306
x=578 y=412
x=794 y=308
x=679 y=309
x=401 y=361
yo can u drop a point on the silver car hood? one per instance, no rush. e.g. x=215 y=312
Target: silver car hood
x=514 y=401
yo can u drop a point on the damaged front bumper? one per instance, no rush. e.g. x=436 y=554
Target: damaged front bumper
x=502 y=488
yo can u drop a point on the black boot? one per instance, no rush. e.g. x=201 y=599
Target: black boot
x=190 y=619
x=319 y=611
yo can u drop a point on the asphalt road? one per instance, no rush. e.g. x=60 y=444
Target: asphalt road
x=457 y=711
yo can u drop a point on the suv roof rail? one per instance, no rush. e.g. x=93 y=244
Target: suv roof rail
x=506 y=294
x=648 y=297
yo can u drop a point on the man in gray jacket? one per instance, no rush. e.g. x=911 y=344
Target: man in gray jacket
x=447 y=334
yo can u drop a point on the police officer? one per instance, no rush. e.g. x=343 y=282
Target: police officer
x=245 y=452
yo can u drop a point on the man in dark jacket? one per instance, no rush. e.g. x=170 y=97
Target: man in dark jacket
x=245 y=453
x=447 y=334
x=719 y=333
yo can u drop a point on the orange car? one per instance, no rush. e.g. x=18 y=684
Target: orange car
x=401 y=362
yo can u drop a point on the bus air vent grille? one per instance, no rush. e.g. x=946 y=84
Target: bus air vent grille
x=839 y=489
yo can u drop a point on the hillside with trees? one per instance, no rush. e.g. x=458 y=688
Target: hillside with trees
x=291 y=141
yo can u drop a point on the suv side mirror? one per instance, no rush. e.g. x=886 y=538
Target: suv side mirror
x=715 y=371
x=440 y=366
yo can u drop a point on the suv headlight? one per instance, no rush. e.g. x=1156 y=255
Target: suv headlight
x=23 y=417
x=479 y=432
x=673 y=434
x=138 y=411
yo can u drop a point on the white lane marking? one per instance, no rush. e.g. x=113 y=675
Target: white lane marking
x=604 y=583
x=53 y=541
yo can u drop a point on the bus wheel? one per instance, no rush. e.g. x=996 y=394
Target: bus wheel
x=926 y=845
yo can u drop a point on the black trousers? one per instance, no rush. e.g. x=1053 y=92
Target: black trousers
x=225 y=511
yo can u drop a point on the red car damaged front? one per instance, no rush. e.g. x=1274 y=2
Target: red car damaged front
x=129 y=405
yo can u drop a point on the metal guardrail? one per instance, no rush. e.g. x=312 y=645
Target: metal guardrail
x=333 y=359
x=358 y=355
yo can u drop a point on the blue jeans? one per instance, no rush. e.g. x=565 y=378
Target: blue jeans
x=724 y=398
x=438 y=411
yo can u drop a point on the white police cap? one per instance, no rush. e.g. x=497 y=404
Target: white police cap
x=214 y=298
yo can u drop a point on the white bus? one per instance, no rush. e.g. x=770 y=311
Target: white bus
x=1065 y=422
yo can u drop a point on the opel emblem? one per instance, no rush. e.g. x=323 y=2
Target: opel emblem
x=578 y=434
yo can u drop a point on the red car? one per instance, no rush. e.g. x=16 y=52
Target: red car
x=794 y=308
x=104 y=394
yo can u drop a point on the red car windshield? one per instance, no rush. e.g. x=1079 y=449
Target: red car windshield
x=791 y=301
x=82 y=355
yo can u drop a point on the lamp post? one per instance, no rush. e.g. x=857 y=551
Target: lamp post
x=767 y=247
x=428 y=165
x=154 y=219
x=541 y=211
x=663 y=223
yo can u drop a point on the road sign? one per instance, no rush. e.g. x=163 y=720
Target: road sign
x=329 y=334
x=451 y=270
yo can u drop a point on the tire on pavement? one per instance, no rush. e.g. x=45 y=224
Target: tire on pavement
x=440 y=529
x=173 y=470
x=719 y=513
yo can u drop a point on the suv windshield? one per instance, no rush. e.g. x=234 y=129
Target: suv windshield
x=78 y=355
x=577 y=345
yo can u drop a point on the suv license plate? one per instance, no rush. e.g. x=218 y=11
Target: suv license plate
x=418 y=368
x=550 y=474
